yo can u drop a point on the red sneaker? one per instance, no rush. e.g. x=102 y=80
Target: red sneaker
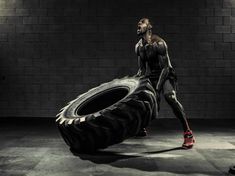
x=142 y=133
x=189 y=140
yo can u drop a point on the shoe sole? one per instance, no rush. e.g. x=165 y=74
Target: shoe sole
x=190 y=146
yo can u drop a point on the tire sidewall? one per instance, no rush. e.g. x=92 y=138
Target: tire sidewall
x=131 y=84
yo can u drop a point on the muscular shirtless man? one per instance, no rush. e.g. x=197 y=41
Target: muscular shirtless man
x=154 y=63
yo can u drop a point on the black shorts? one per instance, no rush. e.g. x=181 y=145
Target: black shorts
x=168 y=86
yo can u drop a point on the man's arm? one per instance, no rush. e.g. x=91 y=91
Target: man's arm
x=164 y=62
x=141 y=63
x=142 y=67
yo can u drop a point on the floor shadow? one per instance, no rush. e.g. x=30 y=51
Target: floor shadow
x=145 y=161
x=104 y=157
x=109 y=157
x=166 y=150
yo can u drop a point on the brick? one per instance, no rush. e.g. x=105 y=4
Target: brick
x=6 y=28
x=31 y=3
x=223 y=63
x=40 y=28
x=24 y=28
x=222 y=46
x=226 y=21
x=189 y=12
x=233 y=29
x=233 y=46
x=189 y=28
x=107 y=28
x=209 y=54
x=206 y=29
x=72 y=12
x=172 y=12
x=46 y=20
x=30 y=20
x=189 y=20
x=55 y=28
x=229 y=37
x=214 y=3
x=14 y=20
x=222 y=29
x=38 y=12
x=31 y=37
x=22 y=12
x=222 y=12
x=232 y=20
x=7 y=12
x=229 y=54
x=233 y=11
x=228 y=3
x=214 y=20
x=3 y=20
x=48 y=4
x=55 y=12
x=3 y=37
x=208 y=46
x=206 y=12
x=92 y=12
x=55 y=4
x=13 y=4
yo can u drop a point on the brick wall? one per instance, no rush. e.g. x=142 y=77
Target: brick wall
x=53 y=50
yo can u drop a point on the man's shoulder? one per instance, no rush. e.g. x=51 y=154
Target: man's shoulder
x=159 y=43
x=157 y=39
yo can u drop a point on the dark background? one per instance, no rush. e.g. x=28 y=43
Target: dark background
x=53 y=50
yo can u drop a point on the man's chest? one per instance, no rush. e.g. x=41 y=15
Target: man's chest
x=148 y=52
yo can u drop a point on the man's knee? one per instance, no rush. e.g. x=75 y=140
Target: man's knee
x=170 y=97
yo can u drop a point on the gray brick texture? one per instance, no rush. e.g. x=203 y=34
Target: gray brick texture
x=53 y=50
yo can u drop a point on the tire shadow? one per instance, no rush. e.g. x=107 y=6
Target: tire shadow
x=142 y=161
x=110 y=157
x=164 y=151
x=104 y=157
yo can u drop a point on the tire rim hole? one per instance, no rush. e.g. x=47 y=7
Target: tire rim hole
x=102 y=100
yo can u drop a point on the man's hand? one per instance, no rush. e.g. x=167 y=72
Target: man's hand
x=138 y=74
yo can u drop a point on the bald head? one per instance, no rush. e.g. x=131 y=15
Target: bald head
x=143 y=26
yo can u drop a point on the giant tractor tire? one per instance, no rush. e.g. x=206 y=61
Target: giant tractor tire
x=107 y=114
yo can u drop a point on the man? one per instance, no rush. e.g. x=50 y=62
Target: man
x=154 y=63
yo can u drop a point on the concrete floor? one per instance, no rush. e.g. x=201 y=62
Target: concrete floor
x=35 y=148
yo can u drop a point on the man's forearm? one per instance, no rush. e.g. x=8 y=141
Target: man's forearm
x=142 y=68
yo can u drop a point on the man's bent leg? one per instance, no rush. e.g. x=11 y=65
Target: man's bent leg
x=170 y=96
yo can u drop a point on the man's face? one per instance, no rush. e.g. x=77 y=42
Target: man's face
x=142 y=26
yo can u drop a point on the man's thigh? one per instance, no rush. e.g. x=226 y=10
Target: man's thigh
x=168 y=87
